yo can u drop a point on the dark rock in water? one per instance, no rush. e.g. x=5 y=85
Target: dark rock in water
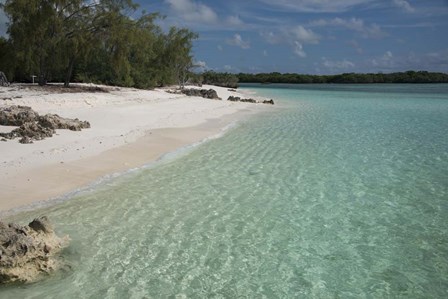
x=248 y=101
x=271 y=102
x=26 y=252
x=238 y=99
x=17 y=115
x=35 y=127
x=204 y=93
x=42 y=224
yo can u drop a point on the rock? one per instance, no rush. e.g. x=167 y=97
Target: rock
x=54 y=121
x=35 y=127
x=29 y=131
x=27 y=252
x=248 y=100
x=205 y=93
x=233 y=99
x=41 y=224
x=271 y=102
x=17 y=115
x=210 y=94
x=25 y=140
x=238 y=99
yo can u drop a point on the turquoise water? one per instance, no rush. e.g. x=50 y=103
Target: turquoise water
x=342 y=192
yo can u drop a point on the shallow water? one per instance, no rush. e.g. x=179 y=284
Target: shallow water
x=340 y=193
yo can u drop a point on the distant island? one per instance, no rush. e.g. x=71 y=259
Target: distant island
x=232 y=80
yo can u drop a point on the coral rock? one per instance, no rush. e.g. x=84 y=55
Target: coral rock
x=27 y=252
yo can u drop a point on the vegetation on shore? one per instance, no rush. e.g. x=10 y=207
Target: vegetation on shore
x=399 y=77
x=232 y=80
x=92 y=41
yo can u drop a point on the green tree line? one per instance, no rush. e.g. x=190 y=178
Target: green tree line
x=92 y=41
x=399 y=77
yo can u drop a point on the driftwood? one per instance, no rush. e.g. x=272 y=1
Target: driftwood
x=3 y=79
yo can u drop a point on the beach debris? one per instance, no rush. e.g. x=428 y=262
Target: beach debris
x=27 y=252
x=34 y=126
x=205 y=93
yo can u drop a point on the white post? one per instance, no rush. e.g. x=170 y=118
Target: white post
x=33 y=76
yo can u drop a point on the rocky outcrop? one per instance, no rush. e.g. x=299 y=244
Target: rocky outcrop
x=28 y=132
x=238 y=99
x=54 y=121
x=33 y=126
x=205 y=93
x=27 y=252
x=17 y=115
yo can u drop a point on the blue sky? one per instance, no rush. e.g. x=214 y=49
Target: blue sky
x=312 y=36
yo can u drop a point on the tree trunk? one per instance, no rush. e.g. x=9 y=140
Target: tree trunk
x=42 y=72
x=68 y=75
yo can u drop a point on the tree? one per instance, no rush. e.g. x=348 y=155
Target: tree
x=94 y=40
x=177 y=53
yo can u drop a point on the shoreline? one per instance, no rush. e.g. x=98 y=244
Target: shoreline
x=46 y=178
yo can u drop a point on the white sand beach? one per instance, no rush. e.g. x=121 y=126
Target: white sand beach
x=129 y=128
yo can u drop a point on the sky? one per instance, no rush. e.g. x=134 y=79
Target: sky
x=310 y=36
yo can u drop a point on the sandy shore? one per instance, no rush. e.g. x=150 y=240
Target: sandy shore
x=129 y=128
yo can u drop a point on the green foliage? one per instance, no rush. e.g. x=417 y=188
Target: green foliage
x=93 y=41
x=220 y=79
x=401 y=77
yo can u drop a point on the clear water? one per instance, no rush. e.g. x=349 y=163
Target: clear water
x=340 y=193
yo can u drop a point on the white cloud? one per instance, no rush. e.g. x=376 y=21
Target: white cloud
x=219 y=47
x=388 y=55
x=286 y=35
x=304 y=35
x=265 y=53
x=355 y=45
x=295 y=37
x=193 y=11
x=384 y=62
x=354 y=24
x=201 y=64
x=337 y=65
x=271 y=37
x=238 y=41
x=298 y=49
x=316 y=5
x=234 y=21
x=436 y=61
x=403 y=4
